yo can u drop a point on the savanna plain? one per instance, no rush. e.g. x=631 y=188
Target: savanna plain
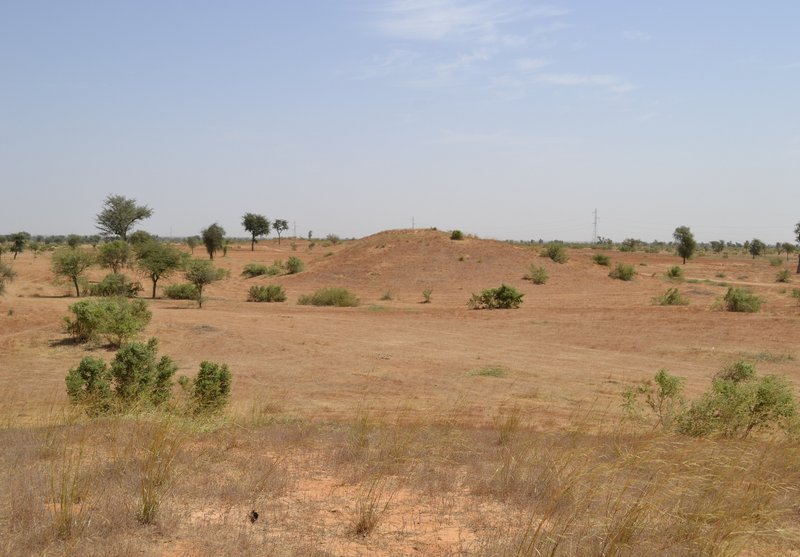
x=410 y=424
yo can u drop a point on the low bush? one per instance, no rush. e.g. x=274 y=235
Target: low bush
x=674 y=273
x=183 y=291
x=671 y=298
x=7 y=275
x=776 y=261
x=602 y=259
x=741 y=300
x=267 y=293
x=294 y=265
x=783 y=276
x=211 y=389
x=537 y=275
x=258 y=269
x=456 y=235
x=502 y=297
x=115 y=285
x=115 y=319
x=339 y=297
x=556 y=252
x=426 y=295
x=623 y=272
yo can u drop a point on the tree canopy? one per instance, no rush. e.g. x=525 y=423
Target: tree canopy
x=71 y=263
x=119 y=214
x=157 y=259
x=213 y=239
x=686 y=242
x=279 y=226
x=256 y=225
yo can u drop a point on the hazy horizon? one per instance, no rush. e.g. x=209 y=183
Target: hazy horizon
x=500 y=118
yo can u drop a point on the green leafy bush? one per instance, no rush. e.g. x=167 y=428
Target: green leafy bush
x=116 y=319
x=211 y=388
x=502 y=297
x=623 y=272
x=329 y=297
x=426 y=295
x=776 y=261
x=266 y=293
x=294 y=265
x=89 y=385
x=671 y=298
x=115 y=285
x=602 y=259
x=674 y=273
x=741 y=300
x=456 y=235
x=537 y=275
x=783 y=276
x=556 y=252
x=663 y=397
x=258 y=269
x=183 y=291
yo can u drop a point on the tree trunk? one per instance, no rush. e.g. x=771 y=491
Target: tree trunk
x=253 y=245
x=77 y=288
x=155 y=280
x=798 y=263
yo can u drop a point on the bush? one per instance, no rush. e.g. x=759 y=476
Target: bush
x=268 y=293
x=664 y=399
x=115 y=285
x=503 y=297
x=776 y=261
x=116 y=319
x=456 y=235
x=741 y=300
x=783 y=276
x=623 y=272
x=602 y=259
x=134 y=378
x=674 y=273
x=258 y=269
x=670 y=298
x=339 y=297
x=294 y=265
x=537 y=275
x=7 y=274
x=556 y=252
x=184 y=291
x=426 y=295
x=211 y=388
x=796 y=293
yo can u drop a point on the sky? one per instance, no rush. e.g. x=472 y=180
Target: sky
x=502 y=118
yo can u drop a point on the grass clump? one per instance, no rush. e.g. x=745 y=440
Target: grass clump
x=671 y=298
x=266 y=293
x=601 y=259
x=115 y=319
x=741 y=300
x=674 y=273
x=537 y=275
x=783 y=276
x=184 y=291
x=489 y=371
x=555 y=252
x=339 y=297
x=623 y=272
x=776 y=261
x=502 y=297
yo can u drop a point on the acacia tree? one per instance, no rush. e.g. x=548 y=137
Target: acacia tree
x=157 y=259
x=193 y=242
x=717 y=246
x=788 y=249
x=279 y=226
x=686 y=243
x=202 y=273
x=72 y=263
x=18 y=242
x=756 y=247
x=119 y=214
x=213 y=239
x=256 y=225
x=114 y=255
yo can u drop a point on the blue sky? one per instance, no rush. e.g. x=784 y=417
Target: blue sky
x=502 y=118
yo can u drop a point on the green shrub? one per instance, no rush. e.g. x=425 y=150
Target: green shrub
x=796 y=293
x=776 y=261
x=556 y=252
x=115 y=285
x=184 y=291
x=339 y=297
x=116 y=319
x=741 y=300
x=456 y=235
x=333 y=239
x=89 y=385
x=623 y=272
x=664 y=399
x=602 y=259
x=267 y=293
x=537 y=275
x=258 y=269
x=502 y=297
x=426 y=295
x=211 y=388
x=294 y=265
x=783 y=276
x=670 y=298
x=674 y=273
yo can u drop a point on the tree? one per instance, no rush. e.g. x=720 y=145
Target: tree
x=201 y=273
x=72 y=263
x=256 y=225
x=119 y=214
x=279 y=226
x=7 y=274
x=788 y=249
x=717 y=246
x=18 y=242
x=213 y=239
x=157 y=259
x=140 y=237
x=756 y=247
x=114 y=255
x=686 y=243
x=193 y=242
x=74 y=241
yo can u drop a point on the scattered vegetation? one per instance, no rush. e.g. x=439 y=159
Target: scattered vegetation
x=72 y=263
x=158 y=260
x=601 y=259
x=7 y=275
x=490 y=371
x=258 y=269
x=115 y=285
x=623 y=272
x=675 y=273
x=426 y=295
x=537 y=275
x=671 y=298
x=333 y=296
x=294 y=265
x=266 y=293
x=741 y=300
x=182 y=291
x=783 y=276
x=201 y=273
x=555 y=252
x=502 y=297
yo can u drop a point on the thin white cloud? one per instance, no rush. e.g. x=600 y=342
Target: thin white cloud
x=394 y=61
x=532 y=64
x=609 y=82
x=638 y=36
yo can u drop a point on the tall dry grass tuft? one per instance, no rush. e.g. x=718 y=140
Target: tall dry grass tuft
x=371 y=503
x=157 y=467
x=67 y=500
